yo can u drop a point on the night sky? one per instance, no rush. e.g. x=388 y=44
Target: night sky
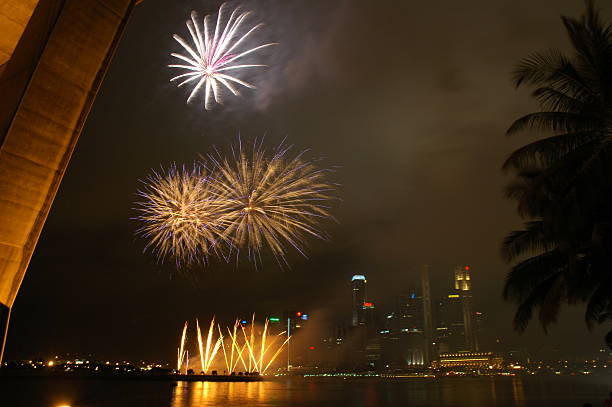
x=410 y=99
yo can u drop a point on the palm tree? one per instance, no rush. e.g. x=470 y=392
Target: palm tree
x=563 y=182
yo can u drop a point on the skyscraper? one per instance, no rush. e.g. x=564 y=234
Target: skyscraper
x=463 y=279
x=463 y=284
x=427 y=318
x=450 y=325
x=402 y=338
x=359 y=298
x=479 y=328
x=455 y=325
x=409 y=312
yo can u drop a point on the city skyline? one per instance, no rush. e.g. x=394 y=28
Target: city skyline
x=391 y=337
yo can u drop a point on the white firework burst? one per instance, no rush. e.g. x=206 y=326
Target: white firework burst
x=216 y=55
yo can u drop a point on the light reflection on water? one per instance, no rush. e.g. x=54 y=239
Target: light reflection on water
x=219 y=394
x=467 y=392
x=517 y=392
x=311 y=392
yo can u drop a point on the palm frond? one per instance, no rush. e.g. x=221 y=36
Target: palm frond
x=578 y=35
x=557 y=101
x=556 y=184
x=532 y=239
x=553 y=69
x=550 y=121
x=545 y=151
x=554 y=295
x=536 y=297
x=525 y=276
x=599 y=302
x=538 y=67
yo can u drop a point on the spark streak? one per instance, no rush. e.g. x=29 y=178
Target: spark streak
x=252 y=351
x=181 y=349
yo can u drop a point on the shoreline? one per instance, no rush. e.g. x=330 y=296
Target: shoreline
x=16 y=374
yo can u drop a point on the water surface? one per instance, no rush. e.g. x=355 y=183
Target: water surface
x=311 y=392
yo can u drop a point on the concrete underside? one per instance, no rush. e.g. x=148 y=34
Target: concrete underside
x=14 y=16
x=53 y=56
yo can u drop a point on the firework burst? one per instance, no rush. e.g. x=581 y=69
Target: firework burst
x=273 y=201
x=246 y=201
x=216 y=55
x=179 y=214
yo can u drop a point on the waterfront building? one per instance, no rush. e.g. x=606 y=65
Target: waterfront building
x=469 y=360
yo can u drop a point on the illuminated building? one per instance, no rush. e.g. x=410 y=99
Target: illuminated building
x=463 y=285
x=454 y=319
x=407 y=335
x=463 y=279
x=373 y=352
x=358 y=283
x=470 y=360
x=479 y=329
x=292 y=321
x=427 y=317
x=449 y=334
x=409 y=313
x=364 y=347
x=369 y=315
x=403 y=337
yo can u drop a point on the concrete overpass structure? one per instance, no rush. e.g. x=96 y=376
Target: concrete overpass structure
x=53 y=57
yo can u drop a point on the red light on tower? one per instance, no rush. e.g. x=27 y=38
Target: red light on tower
x=311 y=347
x=368 y=304
x=467 y=268
x=299 y=314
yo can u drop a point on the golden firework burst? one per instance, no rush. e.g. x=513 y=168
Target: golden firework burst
x=180 y=214
x=272 y=201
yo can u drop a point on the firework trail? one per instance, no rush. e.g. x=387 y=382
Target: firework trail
x=181 y=349
x=211 y=350
x=186 y=361
x=216 y=55
x=273 y=202
x=227 y=362
x=256 y=362
x=253 y=351
x=179 y=215
x=236 y=349
x=200 y=346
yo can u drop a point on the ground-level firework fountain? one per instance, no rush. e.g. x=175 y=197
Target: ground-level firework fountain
x=246 y=349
